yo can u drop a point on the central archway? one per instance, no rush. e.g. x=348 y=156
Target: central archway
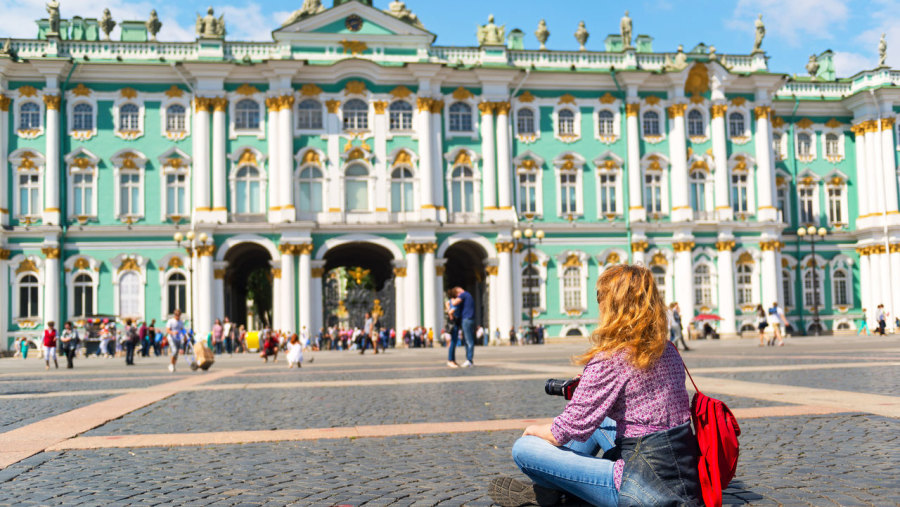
x=465 y=268
x=359 y=278
x=248 y=276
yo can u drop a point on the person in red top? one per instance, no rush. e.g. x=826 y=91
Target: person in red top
x=50 y=345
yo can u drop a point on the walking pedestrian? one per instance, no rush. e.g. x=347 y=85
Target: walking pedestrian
x=863 y=324
x=129 y=340
x=151 y=338
x=142 y=339
x=69 y=341
x=454 y=317
x=675 y=329
x=23 y=347
x=512 y=336
x=174 y=332
x=761 y=323
x=50 y=345
x=881 y=319
x=778 y=323
x=218 y=333
x=228 y=333
x=467 y=314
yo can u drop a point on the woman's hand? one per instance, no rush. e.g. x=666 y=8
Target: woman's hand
x=541 y=431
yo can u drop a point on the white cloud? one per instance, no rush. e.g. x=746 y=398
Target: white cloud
x=847 y=63
x=795 y=21
x=247 y=22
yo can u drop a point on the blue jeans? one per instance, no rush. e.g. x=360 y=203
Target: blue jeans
x=454 y=341
x=468 y=331
x=574 y=467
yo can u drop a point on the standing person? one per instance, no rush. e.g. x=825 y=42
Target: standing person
x=295 y=352
x=512 y=336
x=674 y=319
x=103 y=349
x=632 y=393
x=142 y=339
x=881 y=319
x=467 y=315
x=454 y=316
x=69 y=339
x=174 y=331
x=228 y=332
x=241 y=339
x=778 y=323
x=129 y=339
x=151 y=337
x=497 y=336
x=863 y=324
x=539 y=334
x=218 y=334
x=23 y=347
x=761 y=323
x=479 y=336
x=50 y=345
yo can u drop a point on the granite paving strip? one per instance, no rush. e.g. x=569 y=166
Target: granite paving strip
x=29 y=440
x=369 y=431
x=550 y=369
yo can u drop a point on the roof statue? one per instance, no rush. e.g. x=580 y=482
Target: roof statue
x=581 y=35
x=812 y=66
x=760 y=34
x=7 y=49
x=399 y=10
x=882 y=51
x=153 y=25
x=680 y=61
x=53 y=11
x=106 y=23
x=542 y=34
x=625 y=28
x=210 y=27
x=309 y=8
x=491 y=34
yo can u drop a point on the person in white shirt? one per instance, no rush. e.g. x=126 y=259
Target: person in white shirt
x=174 y=330
x=776 y=320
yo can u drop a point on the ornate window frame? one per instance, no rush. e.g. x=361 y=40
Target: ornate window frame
x=370 y=124
x=298 y=131
x=251 y=93
x=118 y=103
x=174 y=161
x=837 y=179
x=310 y=157
x=809 y=180
x=539 y=260
x=462 y=156
x=27 y=265
x=788 y=267
x=81 y=265
x=129 y=161
x=536 y=111
x=811 y=132
x=608 y=163
x=129 y=263
x=29 y=162
x=704 y=164
x=845 y=264
x=573 y=107
x=404 y=158
x=742 y=162
x=806 y=267
x=615 y=107
x=366 y=158
x=665 y=259
x=565 y=260
x=183 y=101
x=839 y=132
x=706 y=257
x=704 y=115
x=82 y=161
x=530 y=163
x=248 y=156
x=470 y=100
x=746 y=136
x=412 y=118
x=74 y=100
x=653 y=105
x=657 y=163
x=745 y=256
x=780 y=154
x=20 y=101
x=783 y=181
x=610 y=257
x=170 y=264
x=569 y=162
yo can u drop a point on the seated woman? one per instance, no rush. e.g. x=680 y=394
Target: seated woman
x=631 y=404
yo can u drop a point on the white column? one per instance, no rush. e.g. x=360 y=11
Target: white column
x=765 y=168
x=873 y=169
x=334 y=199
x=488 y=157
x=437 y=150
x=884 y=269
x=429 y=288
x=315 y=293
x=288 y=289
x=4 y=179
x=684 y=280
x=426 y=160
x=382 y=164
x=200 y=155
x=889 y=164
x=305 y=281
x=770 y=272
x=720 y=156
x=273 y=140
x=865 y=282
x=681 y=209
x=400 y=299
x=51 y=284
x=4 y=283
x=413 y=295
x=51 y=214
x=639 y=251
x=862 y=179
x=894 y=259
x=285 y=158
x=504 y=293
x=204 y=291
x=219 y=168
x=635 y=182
x=219 y=288
x=494 y=308
x=875 y=271
x=725 y=271
x=504 y=160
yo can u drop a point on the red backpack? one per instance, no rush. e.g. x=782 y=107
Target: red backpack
x=717 y=433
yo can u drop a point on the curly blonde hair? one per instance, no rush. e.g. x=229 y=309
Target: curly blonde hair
x=632 y=317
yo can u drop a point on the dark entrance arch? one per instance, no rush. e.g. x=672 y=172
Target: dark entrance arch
x=249 y=273
x=359 y=278
x=465 y=268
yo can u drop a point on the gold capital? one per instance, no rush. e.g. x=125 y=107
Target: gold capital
x=4 y=254
x=502 y=108
x=632 y=109
x=683 y=246
x=486 y=108
x=400 y=272
x=52 y=102
x=285 y=102
x=411 y=248
x=676 y=110
x=218 y=274
x=724 y=246
x=304 y=249
x=771 y=245
x=51 y=252
x=639 y=246
x=439 y=270
x=424 y=103
x=286 y=249
x=202 y=104
x=427 y=248
x=437 y=107
x=505 y=246
x=317 y=272
x=718 y=110
x=380 y=106
x=492 y=270
x=219 y=104
x=762 y=111
x=276 y=273
x=4 y=102
x=333 y=105
x=206 y=250
x=887 y=123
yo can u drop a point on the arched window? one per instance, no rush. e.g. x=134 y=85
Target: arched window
x=804 y=145
x=740 y=191
x=129 y=118
x=176 y=118
x=702 y=286
x=653 y=192
x=248 y=188
x=83 y=117
x=573 y=332
x=606 y=123
x=356 y=115
x=659 y=276
x=130 y=295
x=651 y=123
x=531 y=288
x=698 y=190
x=744 y=280
x=29 y=116
x=356 y=180
x=832 y=150
x=566 y=122
x=176 y=289
x=462 y=189
x=460 y=119
x=787 y=288
x=812 y=295
x=29 y=304
x=401 y=190
x=841 y=286
x=246 y=115
x=695 y=124
x=525 y=122
x=309 y=115
x=310 y=196
x=84 y=295
x=736 y=124
x=400 y=115
x=572 y=288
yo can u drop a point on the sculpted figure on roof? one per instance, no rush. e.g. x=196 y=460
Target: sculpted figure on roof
x=211 y=27
x=309 y=8
x=760 y=33
x=882 y=51
x=625 y=27
x=399 y=10
x=491 y=34
x=53 y=11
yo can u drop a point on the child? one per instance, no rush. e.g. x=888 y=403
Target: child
x=295 y=352
x=50 y=345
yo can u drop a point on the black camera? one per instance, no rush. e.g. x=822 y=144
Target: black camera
x=561 y=387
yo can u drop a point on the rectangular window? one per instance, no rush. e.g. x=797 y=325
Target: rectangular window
x=739 y=190
x=176 y=192
x=835 y=201
x=527 y=192
x=29 y=194
x=781 y=203
x=129 y=193
x=608 y=193
x=807 y=197
x=653 y=193
x=567 y=193
x=83 y=190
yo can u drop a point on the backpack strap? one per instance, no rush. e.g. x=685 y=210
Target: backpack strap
x=685 y=367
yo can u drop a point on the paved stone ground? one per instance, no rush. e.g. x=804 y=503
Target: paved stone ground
x=849 y=458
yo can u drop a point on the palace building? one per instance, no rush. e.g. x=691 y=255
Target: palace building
x=360 y=167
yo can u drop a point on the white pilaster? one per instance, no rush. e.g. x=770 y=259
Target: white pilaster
x=426 y=158
x=334 y=201
x=429 y=288
x=306 y=290
x=865 y=282
x=504 y=292
x=725 y=271
x=219 y=288
x=205 y=281
x=4 y=283
x=889 y=164
x=200 y=145
x=219 y=168
x=285 y=158
x=288 y=289
x=874 y=175
x=273 y=140
x=684 y=279
x=488 y=157
x=770 y=273
x=51 y=284
x=400 y=299
x=504 y=161
x=413 y=295
x=876 y=271
x=4 y=182
x=315 y=292
x=765 y=168
x=720 y=156
x=884 y=271
x=382 y=164
x=862 y=177
x=51 y=214
x=635 y=182
x=894 y=260
x=681 y=209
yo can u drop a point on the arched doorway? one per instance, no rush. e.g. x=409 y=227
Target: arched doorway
x=358 y=278
x=465 y=268
x=248 y=285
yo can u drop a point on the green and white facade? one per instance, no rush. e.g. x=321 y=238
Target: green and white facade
x=352 y=140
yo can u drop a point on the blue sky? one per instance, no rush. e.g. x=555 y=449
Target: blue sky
x=796 y=28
